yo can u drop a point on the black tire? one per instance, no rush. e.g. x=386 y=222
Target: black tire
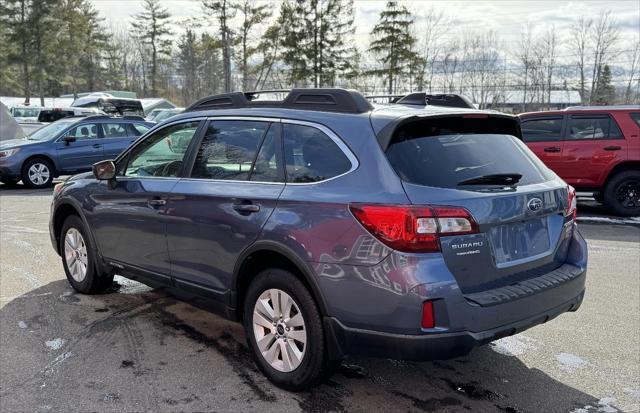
x=622 y=194
x=93 y=282
x=27 y=179
x=315 y=365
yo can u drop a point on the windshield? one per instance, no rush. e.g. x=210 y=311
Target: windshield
x=26 y=112
x=49 y=131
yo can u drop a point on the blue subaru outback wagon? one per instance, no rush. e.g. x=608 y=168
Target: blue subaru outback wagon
x=67 y=146
x=328 y=227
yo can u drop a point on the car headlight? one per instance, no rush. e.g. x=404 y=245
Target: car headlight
x=8 y=152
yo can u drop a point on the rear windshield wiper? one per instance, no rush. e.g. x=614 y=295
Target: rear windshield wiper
x=494 y=179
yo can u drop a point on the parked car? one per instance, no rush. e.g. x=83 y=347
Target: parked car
x=165 y=114
x=25 y=113
x=592 y=148
x=330 y=228
x=110 y=105
x=67 y=146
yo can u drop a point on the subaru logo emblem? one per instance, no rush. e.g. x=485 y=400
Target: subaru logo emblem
x=534 y=204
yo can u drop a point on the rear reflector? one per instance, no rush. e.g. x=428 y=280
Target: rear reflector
x=428 y=319
x=411 y=228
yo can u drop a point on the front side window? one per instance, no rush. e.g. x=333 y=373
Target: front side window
x=160 y=154
x=229 y=149
x=84 y=131
x=114 y=130
x=311 y=156
x=592 y=127
x=542 y=130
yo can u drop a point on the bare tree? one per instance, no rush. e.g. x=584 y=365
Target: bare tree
x=549 y=45
x=524 y=56
x=633 y=74
x=579 y=44
x=430 y=29
x=223 y=11
x=604 y=36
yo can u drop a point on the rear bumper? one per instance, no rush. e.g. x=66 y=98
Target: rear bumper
x=343 y=341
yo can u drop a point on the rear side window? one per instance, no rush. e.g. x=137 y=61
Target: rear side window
x=542 y=130
x=311 y=156
x=433 y=153
x=636 y=117
x=228 y=149
x=592 y=127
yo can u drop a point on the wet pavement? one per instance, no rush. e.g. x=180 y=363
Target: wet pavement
x=137 y=349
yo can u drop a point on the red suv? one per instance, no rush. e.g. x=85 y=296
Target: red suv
x=592 y=148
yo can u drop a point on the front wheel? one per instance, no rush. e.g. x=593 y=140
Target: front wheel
x=78 y=259
x=37 y=173
x=622 y=194
x=284 y=330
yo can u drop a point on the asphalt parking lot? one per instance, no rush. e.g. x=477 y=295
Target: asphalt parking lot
x=137 y=349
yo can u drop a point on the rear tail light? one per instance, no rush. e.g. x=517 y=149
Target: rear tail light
x=428 y=318
x=572 y=203
x=410 y=228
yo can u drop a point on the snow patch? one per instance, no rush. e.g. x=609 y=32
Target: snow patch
x=634 y=392
x=570 y=362
x=603 y=406
x=55 y=344
x=22 y=324
x=607 y=220
x=513 y=345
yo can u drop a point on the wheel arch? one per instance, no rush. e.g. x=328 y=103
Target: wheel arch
x=621 y=167
x=60 y=213
x=43 y=157
x=269 y=254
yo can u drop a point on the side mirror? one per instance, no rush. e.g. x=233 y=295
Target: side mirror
x=68 y=139
x=104 y=170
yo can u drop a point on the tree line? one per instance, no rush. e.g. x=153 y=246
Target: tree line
x=52 y=47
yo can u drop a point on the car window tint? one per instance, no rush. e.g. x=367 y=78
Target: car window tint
x=636 y=117
x=266 y=167
x=139 y=129
x=84 y=131
x=614 y=130
x=596 y=127
x=310 y=155
x=114 y=130
x=228 y=149
x=541 y=130
x=161 y=154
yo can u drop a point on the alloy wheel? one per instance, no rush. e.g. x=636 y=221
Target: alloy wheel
x=39 y=174
x=75 y=254
x=628 y=194
x=279 y=330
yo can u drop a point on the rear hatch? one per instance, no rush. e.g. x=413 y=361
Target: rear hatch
x=475 y=162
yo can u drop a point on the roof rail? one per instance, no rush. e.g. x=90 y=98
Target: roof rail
x=604 y=107
x=423 y=99
x=325 y=100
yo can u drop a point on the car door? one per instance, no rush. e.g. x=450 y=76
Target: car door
x=80 y=154
x=117 y=136
x=593 y=143
x=220 y=209
x=130 y=213
x=543 y=135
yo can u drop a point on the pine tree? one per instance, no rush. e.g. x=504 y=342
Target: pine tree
x=605 y=92
x=317 y=39
x=252 y=16
x=223 y=11
x=190 y=63
x=394 y=44
x=152 y=26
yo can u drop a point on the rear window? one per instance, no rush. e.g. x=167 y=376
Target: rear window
x=443 y=153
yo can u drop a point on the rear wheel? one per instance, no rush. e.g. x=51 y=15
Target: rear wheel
x=284 y=330
x=78 y=259
x=622 y=194
x=37 y=173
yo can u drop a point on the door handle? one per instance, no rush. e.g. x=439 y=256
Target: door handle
x=612 y=148
x=246 y=208
x=156 y=202
x=552 y=149
x=97 y=145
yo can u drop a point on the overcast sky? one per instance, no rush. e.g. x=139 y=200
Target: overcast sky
x=506 y=17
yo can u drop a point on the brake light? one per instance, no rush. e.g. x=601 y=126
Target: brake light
x=428 y=318
x=411 y=228
x=572 y=203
